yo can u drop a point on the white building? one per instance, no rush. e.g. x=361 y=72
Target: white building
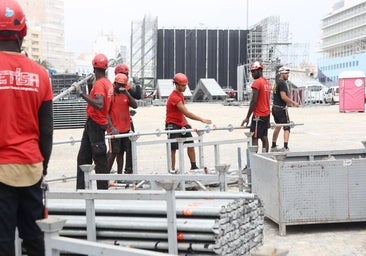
x=48 y=16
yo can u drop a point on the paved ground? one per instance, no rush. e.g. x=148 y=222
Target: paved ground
x=325 y=128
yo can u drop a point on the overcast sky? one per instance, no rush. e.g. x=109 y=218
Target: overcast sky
x=85 y=19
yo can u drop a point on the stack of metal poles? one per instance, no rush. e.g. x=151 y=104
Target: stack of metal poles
x=204 y=226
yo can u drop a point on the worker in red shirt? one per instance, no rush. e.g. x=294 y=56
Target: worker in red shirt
x=26 y=127
x=119 y=122
x=259 y=106
x=93 y=146
x=176 y=113
x=135 y=91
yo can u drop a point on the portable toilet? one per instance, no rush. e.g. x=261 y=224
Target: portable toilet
x=351 y=91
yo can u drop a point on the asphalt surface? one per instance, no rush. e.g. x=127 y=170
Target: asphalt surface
x=321 y=127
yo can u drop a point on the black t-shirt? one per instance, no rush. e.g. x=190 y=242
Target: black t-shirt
x=280 y=85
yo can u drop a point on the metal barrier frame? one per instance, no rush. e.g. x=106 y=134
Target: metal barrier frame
x=156 y=179
x=91 y=195
x=54 y=243
x=181 y=146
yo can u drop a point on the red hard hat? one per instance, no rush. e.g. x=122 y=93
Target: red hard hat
x=121 y=68
x=100 y=61
x=12 y=20
x=180 y=79
x=256 y=65
x=121 y=79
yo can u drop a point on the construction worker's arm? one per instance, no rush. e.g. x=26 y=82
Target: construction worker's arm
x=190 y=115
x=252 y=105
x=288 y=100
x=132 y=101
x=96 y=103
x=135 y=90
x=111 y=126
x=45 y=116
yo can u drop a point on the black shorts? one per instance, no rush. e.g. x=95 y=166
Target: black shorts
x=280 y=116
x=120 y=145
x=170 y=126
x=260 y=127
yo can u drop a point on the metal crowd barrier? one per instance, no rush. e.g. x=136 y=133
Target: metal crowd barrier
x=54 y=244
x=155 y=179
x=199 y=143
x=91 y=195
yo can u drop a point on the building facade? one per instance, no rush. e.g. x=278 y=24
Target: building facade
x=343 y=40
x=47 y=18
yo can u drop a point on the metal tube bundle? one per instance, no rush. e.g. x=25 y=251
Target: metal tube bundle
x=205 y=226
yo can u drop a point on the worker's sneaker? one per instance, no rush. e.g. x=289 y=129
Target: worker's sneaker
x=284 y=150
x=173 y=171
x=274 y=149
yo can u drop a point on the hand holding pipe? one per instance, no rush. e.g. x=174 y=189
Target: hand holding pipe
x=73 y=87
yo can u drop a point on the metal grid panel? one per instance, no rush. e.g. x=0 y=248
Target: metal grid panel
x=311 y=187
x=357 y=189
x=313 y=191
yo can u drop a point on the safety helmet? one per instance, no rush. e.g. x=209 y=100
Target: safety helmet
x=256 y=65
x=12 y=20
x=100 y=61
x=121 y=78
x=121 y=68
x=180 y=79
x=284 y=70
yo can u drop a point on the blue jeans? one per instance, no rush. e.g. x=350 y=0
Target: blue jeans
x=92 y=148
x=21 y=207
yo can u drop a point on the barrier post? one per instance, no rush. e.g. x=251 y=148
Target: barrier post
x=222 y=169
x=170 y=187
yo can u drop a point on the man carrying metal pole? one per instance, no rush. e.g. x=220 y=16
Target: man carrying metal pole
x=93 y=146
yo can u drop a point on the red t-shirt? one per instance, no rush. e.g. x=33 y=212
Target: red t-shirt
x=119 y=112
x=173 y=114
x=263 y=102
x=24 y=86
x=105 y=88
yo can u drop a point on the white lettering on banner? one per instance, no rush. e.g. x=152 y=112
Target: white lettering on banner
x=23 y=81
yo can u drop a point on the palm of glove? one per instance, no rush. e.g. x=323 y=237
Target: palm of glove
x=78 y=89
x=114 y=131
x=135 y=80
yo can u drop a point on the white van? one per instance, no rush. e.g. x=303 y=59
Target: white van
x=314 y=94
x=332 y=95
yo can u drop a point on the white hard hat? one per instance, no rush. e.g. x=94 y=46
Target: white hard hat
x=284 y=70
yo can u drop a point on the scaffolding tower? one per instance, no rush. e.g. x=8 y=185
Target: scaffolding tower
x=143 y=49
x=269 y=42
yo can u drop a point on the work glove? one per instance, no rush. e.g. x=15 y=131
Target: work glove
x=78 y=89
x=136 y=80
x=132 y=112
x=114 y=131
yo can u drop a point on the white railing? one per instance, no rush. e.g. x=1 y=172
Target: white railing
x=199 y=143
x=55 y=244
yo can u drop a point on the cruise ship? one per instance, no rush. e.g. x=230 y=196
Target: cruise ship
x=343 y=41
